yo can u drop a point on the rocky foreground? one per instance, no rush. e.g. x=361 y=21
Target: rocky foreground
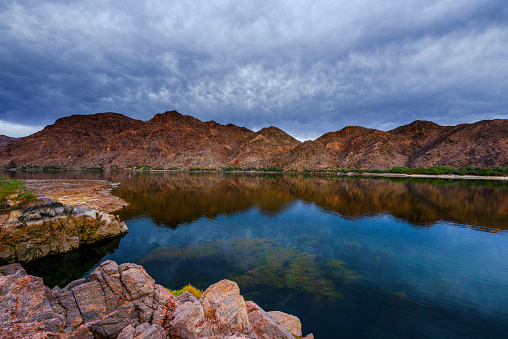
x=47 y=227
x=123 y=301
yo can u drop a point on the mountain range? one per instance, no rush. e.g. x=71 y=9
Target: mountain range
x=171 y=139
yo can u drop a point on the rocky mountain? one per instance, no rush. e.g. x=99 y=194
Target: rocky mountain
x=171 y=139
x=110 y=139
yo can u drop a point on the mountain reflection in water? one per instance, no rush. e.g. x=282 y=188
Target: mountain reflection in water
x=352 y=257
x=483 y=204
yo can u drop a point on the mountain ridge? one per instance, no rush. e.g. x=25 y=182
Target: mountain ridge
x=171 y=139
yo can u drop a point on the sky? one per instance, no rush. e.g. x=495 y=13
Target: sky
x=307 y=67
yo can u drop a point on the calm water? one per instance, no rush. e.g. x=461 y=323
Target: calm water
x=353 y=258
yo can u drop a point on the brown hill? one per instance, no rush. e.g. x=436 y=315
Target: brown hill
x=167 y=140
x=5 y=140
x=171 y=139
x=359 y=147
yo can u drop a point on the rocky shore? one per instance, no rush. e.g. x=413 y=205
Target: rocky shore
x=47 y=227
x=91 y=193
x=123 y=301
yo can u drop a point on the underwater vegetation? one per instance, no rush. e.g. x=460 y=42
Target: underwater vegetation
x=262 y=265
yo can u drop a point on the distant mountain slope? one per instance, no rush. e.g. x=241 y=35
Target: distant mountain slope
x=484 y=143
x=264 y=149
x=308 y=155
x=5 y=140
x=171 y=139
x=359 y=147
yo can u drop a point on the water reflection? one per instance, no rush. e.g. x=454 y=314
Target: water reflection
x=61 y=269
x=173 y=199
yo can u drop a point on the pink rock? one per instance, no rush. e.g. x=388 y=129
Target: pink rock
x=225 y=309
x=25 y=312
x=265 y=327
x=189 y=321
x=288 y=321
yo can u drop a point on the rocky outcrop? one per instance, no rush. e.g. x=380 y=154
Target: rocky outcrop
x=171 y=139
x=48 y=227
x=123 y=301
x=117 y=300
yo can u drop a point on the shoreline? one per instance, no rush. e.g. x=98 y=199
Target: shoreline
x=426 y=176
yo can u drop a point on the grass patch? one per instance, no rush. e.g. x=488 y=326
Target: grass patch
x=14 y=191
x=188 y=288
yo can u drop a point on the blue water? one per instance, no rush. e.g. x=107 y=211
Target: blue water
x=346 y=268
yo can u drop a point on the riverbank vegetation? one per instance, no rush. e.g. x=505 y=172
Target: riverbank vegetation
x=433 y=170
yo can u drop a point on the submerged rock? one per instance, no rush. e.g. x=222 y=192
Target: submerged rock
x=123 y=301
x=48 y=227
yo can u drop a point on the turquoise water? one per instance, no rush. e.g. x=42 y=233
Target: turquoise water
x=354 y=258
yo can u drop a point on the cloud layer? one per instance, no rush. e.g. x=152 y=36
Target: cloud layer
x=307 y=67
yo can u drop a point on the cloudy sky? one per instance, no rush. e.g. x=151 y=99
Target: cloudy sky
x=308 y=67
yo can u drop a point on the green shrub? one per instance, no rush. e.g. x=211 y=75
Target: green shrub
x=270 y=169
x=231 y=168
x=143 y=167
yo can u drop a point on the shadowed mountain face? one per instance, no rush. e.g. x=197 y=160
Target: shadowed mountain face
x=5 y=140
x=175 y=140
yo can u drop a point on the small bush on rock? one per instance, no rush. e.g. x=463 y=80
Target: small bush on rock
x=188 y=288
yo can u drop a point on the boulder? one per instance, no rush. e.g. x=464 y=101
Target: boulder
x=288 y=321
x=47 y=227
x=225 y=309
x=142 y=331
x=220 y=312
x=103 y=306
x=189 y=321
x=265 y=327
x=25 y=312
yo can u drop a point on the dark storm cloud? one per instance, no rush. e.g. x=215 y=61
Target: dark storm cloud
x=307 y=67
